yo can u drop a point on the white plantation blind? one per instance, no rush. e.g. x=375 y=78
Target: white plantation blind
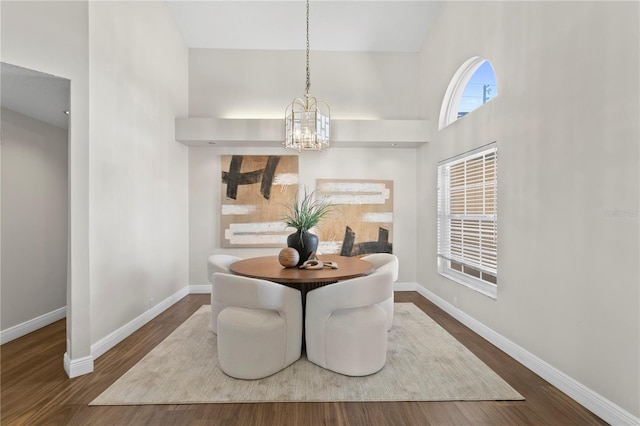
x=468 y=211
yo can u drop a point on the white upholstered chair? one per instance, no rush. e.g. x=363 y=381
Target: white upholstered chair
x=218 y=263
x=345 y=328
x=385 y=262
x=259 y=329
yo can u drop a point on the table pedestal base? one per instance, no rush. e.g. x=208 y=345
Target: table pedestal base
x=304 y=289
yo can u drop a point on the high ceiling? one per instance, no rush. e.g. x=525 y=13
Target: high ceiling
x=345 y=25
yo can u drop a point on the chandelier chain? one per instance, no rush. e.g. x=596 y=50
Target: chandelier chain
x=308 y=71
x=306 y=122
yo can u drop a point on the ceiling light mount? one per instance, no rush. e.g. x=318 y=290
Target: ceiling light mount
x=307 y=126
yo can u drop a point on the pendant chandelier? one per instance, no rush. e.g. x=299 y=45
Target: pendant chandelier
x=307 y=120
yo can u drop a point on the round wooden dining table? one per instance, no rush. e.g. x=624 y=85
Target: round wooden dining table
x=269 y=268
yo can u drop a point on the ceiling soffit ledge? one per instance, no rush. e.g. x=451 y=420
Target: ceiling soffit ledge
x=270 y=132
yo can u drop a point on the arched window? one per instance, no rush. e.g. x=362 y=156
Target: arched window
x=473 y=85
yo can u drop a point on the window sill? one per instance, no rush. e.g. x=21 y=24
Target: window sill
x=481 y=287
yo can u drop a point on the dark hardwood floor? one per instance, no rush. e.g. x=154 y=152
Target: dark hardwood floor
x=36 y=391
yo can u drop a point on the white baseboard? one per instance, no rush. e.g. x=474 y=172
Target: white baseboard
x=77 y=367
x=34 y=324
x=596 y=403
x=108 y=342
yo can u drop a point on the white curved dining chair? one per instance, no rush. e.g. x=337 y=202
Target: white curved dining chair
x=218 y=263
x=345 y=328
x=260 y=328
x=385 y=262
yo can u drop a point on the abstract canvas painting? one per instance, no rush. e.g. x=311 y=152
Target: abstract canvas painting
x=362 y=219
x=255 y=192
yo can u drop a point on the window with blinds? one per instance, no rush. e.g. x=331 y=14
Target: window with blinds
x=468 y=219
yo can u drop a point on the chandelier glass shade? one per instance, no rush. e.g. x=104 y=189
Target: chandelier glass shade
x=307 y=126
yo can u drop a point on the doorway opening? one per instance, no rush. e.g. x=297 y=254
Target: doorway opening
x=34 y=205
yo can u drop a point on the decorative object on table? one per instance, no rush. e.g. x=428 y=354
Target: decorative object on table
x=330 y=265
x=304 y=215
x=314 y=263
x=254 y=191
x=311 y=264
x=307 y=120
x=289 y=257
x=318 y=264
x=363 y=222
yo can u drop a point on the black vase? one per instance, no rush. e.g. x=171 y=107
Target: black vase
x=304 y=242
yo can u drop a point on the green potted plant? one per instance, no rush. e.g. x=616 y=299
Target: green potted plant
x=303 y=215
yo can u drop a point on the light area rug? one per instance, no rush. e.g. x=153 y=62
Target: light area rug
x=424 y=363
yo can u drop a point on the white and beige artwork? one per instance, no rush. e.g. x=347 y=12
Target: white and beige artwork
x=362 y=217
x=255 y=192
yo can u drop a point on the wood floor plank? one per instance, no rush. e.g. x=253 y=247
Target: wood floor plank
x=34 y=389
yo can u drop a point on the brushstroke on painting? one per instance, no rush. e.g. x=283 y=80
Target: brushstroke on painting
x=362 y=221
x=255 y=192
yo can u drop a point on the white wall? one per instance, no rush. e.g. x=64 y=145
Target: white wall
x=34 y=218
x=139 y=176
x=566 y=124
x=52 y=37
x=260 y=84
x=398 y=165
